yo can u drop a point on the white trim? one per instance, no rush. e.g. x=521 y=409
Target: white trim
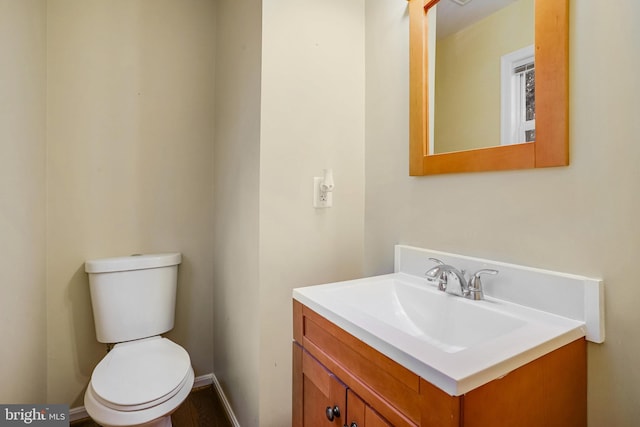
x=202 y=381
x=508 y=107
x=80 y=413
x=225 y=402
x=76 y=414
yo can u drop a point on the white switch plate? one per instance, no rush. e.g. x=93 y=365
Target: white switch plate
x=320 y=199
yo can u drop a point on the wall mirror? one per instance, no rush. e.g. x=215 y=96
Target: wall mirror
x=471 y=111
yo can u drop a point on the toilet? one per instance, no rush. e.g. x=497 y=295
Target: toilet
x=144 y=377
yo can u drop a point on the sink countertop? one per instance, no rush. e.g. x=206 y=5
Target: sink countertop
x=522 y=334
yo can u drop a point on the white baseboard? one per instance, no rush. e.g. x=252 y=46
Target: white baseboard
x=203 y=381
x=80 y=412
x=225 y=402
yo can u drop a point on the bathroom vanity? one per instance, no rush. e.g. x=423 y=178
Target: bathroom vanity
x=333 y=368
x=363 y=355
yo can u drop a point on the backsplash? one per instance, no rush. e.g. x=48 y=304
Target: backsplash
x=576 y=297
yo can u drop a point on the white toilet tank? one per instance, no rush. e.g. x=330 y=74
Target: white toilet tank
x=133 y=297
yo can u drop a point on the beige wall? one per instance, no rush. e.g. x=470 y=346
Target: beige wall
x=236 y=303
x=290 y=102
x=580 y=219
x=312 y=118
x=467 y=95
x=22 y=201
x=130 y=147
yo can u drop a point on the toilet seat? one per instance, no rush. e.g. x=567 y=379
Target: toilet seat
x=140 y=374
x=156 y=416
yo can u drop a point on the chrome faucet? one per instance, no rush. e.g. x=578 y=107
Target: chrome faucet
x=440 y=275
x=471 y=289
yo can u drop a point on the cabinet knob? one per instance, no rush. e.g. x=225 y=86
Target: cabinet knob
x=332 y=413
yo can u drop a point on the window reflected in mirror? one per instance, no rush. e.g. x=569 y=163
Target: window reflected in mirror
x=483 y=74
x=518 y=97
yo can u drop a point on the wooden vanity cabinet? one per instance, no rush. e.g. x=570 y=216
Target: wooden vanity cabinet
x=324 y=396
x=333 y=368
x=326 y=401
x=359 y=414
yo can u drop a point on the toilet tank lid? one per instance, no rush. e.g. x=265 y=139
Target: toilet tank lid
x=132 y=262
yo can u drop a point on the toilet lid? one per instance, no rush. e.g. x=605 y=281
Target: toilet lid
x=142 y=371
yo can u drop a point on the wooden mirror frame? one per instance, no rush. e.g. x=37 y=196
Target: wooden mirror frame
x=551 y=147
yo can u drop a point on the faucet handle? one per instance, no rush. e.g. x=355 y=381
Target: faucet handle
x=475 y=284
x=434 y=272
x=436 y=275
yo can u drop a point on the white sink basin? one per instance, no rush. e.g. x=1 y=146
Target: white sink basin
x=448 y=322
x=454 y=343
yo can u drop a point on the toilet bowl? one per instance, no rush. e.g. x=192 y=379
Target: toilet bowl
x=139 y=383
x=145 y=377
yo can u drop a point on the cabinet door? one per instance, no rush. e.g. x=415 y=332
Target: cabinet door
x=359 y=414
x=319 y=397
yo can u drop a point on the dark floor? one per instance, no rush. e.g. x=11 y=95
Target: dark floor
x=201 y=409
